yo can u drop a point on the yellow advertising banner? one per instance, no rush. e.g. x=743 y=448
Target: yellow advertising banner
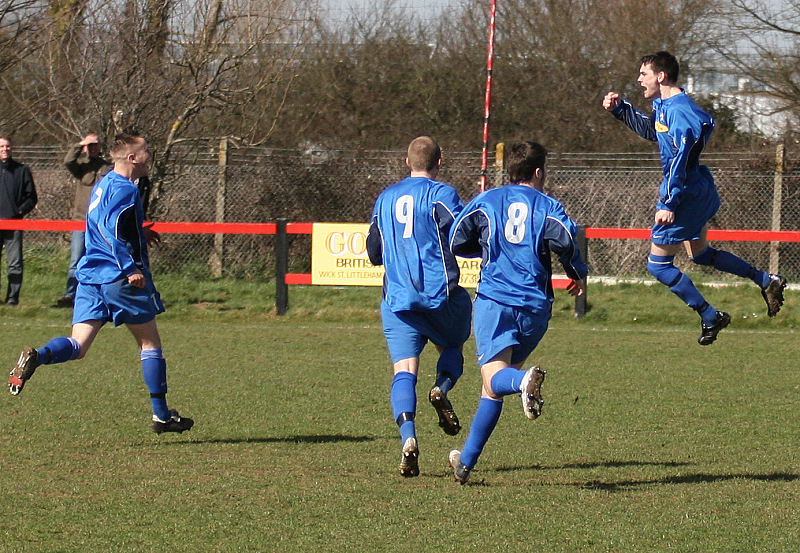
x=339 y=258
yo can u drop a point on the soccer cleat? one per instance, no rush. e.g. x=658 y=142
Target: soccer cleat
x=447 y=417
x=23 y=370
x=460 y=470
x=176 y=423
x=409 y=460
x=773 y=294
x=531 y=388
x=709 y=333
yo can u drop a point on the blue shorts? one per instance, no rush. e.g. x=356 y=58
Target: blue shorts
x=499 y=326
x=692 y=214
x=407 y=332
x=118 y=302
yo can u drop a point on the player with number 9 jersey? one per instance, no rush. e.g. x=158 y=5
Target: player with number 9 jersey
x=422 y=300
x=413 y=218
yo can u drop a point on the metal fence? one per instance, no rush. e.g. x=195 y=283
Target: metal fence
x=213 y=184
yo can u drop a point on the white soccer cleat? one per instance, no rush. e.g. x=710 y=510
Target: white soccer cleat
x=460 y=470
x=409 y=459
x=531 y=392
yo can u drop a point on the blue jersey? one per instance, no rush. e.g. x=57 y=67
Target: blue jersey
x=408 y=236
x=514 y=228
x=115 y=243
x=682 y=130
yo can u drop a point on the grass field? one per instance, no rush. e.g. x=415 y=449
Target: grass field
x=648 y=442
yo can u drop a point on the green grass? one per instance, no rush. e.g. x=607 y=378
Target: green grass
x=648 y=442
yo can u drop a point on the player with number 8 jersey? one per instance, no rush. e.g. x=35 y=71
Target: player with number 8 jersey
x=513 y=229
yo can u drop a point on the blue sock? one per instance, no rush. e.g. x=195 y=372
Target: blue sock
x=486 y=417
x=507 y=381
x=662 y=267
x=449 y=369
x=404 y=403
x=729 y=263
x=154 y=370
x=59 y=350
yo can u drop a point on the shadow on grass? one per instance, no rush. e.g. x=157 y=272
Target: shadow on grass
x=308 y=439
x=700 y=478
x=604 y=464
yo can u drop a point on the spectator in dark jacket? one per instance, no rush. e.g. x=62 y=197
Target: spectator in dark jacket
x=17 y=198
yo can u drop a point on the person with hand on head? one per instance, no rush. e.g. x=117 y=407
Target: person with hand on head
x=86 y=164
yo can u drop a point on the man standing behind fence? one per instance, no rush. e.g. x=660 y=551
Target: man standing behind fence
x=17 y=199
x=84 y=162
x=114 y=284
x=687 y=197
x=421 y=297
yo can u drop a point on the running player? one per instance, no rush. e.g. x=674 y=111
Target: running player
x=114 y=283
x=513 y=229
x=421 y=297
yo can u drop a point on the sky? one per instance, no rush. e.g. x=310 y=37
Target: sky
x=339 y=9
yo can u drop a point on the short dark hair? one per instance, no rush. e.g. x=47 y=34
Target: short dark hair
x=523 y=160
x=663 y=61
x=122 y=142
x=423 y=153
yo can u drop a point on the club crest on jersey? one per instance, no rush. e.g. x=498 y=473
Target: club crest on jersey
x=661 y=127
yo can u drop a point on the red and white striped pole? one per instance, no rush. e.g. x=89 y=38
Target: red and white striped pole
x=487 y=103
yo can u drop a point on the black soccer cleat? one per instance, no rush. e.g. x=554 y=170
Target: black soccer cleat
x=709 y=333
x=447 y=417
x=176 y=423
x=460 y=470
x=773 y=294
x=531 y=388
x=23 y=370
x=409 y=459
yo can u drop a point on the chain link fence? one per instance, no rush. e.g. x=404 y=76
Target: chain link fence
x=210 y=183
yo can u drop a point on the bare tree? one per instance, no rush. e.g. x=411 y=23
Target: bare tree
x=173 y=69
x=556 y=59
x=20 y=21
x=381 y=78
x=384 y=77
x=762 y=47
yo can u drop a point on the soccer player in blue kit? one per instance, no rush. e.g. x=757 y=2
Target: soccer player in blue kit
x=421 y=297
x=687 y=197
x=114 y=283
x=513 y=229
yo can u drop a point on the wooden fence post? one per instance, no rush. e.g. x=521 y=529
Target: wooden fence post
x=217 y=251
x=499 y=163
x=777 y=200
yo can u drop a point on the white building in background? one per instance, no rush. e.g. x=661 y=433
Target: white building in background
x=756 y=111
